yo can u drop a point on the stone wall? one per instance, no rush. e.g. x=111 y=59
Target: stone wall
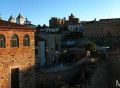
x=100 y=29
x=48 y=79
x=52 y=47
x=103 y=34
x=113 y=21
x=113 y=53
x=21 y=57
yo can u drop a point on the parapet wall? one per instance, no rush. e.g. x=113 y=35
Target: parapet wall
x=48 y=79
x=113 y=53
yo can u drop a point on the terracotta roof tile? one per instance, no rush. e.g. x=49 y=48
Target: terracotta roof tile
x=13 y=26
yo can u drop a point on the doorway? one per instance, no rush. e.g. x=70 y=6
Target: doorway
x=15 y=78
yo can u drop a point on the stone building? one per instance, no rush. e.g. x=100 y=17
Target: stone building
x=75 y=27
x=40 y=52
x=73 y=20
x=103 y=33
x=111 y=21
x=53 y=45
x=17 y=59
x=28 y=24
x=55 y=22
x=20 y=19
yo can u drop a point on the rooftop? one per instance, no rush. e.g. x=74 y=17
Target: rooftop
x=5 y=25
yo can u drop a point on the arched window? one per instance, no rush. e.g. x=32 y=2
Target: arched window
x=26 y=41
x=2 y=41
x=14 y=41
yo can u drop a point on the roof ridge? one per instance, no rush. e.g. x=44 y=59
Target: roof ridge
x=9 y=25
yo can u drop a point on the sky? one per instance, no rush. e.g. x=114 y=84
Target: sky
x=40 y=11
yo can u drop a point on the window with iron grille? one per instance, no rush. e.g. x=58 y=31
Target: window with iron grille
x=26 y=41
x=14 y=41
x=2 y=41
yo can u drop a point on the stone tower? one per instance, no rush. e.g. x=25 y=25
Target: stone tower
x=20 y=19
x=11 y=19
x=71 y=17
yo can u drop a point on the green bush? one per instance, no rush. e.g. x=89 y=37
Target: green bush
x=91 y=46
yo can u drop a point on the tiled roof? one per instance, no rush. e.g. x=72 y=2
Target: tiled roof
x=5 y=25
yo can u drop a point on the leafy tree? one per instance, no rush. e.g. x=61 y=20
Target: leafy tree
x=91 y=46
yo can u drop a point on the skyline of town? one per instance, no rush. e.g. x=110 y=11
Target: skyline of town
x=59 y=44
x=40 y=12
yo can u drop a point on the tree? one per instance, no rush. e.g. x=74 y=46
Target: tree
x=91 y=46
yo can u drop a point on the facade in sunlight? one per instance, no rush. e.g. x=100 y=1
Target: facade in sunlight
x=17 y=57
x=55 y=22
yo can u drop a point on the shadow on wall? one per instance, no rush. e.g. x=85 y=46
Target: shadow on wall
x=24 y=78
x=59 y=78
